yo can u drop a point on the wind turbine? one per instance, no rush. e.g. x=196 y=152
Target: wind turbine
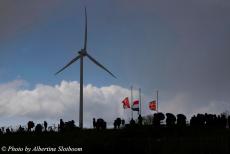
x=81 y=54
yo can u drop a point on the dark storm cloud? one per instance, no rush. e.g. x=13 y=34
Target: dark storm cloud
x=198 y=58
x=185 y=50
x=19 y=16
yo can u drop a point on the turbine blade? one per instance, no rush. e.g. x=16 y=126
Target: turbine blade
x=85 y=41
x=100 y=65
x=67 y=65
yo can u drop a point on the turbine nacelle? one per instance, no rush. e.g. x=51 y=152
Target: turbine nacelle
x=82 y=52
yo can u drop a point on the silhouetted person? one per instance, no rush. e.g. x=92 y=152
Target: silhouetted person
x=140 y=119
x=45 y=125
x=30 y=125
x=101 y=124
x=20 y=129
x=123 y=123
x=193 y=121
x=69 y=125
x=132 y=123
x=38 y=128
x=72 y=124
x=209 y=120
x=228 y=121
x=223 y=121
x=3 y=129
x=181 y=120
x=201 y=120
x=104 y=125
x=170 y=120
x=8 y=131
x=115 y=124
x=198 y=121
x=94 y=123
x=157 y=118
x=50 y=128
x=61 y=125
x=118 y=122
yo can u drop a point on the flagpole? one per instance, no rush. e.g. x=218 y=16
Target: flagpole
x=140 y=101
x=131 y=102
x=157 y=102
x=123 y=112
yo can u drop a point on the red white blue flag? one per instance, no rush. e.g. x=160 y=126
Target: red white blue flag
x=135 y=106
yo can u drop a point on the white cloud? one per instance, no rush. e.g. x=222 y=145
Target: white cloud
x=46 y=102
x=61 y=101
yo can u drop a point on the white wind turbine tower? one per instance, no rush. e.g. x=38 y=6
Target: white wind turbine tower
x=81 y=54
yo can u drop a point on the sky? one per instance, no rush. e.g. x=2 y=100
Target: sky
x=180 y=48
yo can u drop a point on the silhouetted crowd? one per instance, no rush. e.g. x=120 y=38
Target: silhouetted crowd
x=66 y=126
x=118 y=123
x=99 y=124
x=168 y=120
x=39 y=128
x=196 y=121
x=210 y=121
x=171 y=120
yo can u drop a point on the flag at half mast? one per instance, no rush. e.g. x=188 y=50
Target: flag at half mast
x=153 y=105
x=135 y=106
x=126 y=103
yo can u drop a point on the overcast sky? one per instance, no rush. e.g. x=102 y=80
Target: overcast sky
x=179 y=47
